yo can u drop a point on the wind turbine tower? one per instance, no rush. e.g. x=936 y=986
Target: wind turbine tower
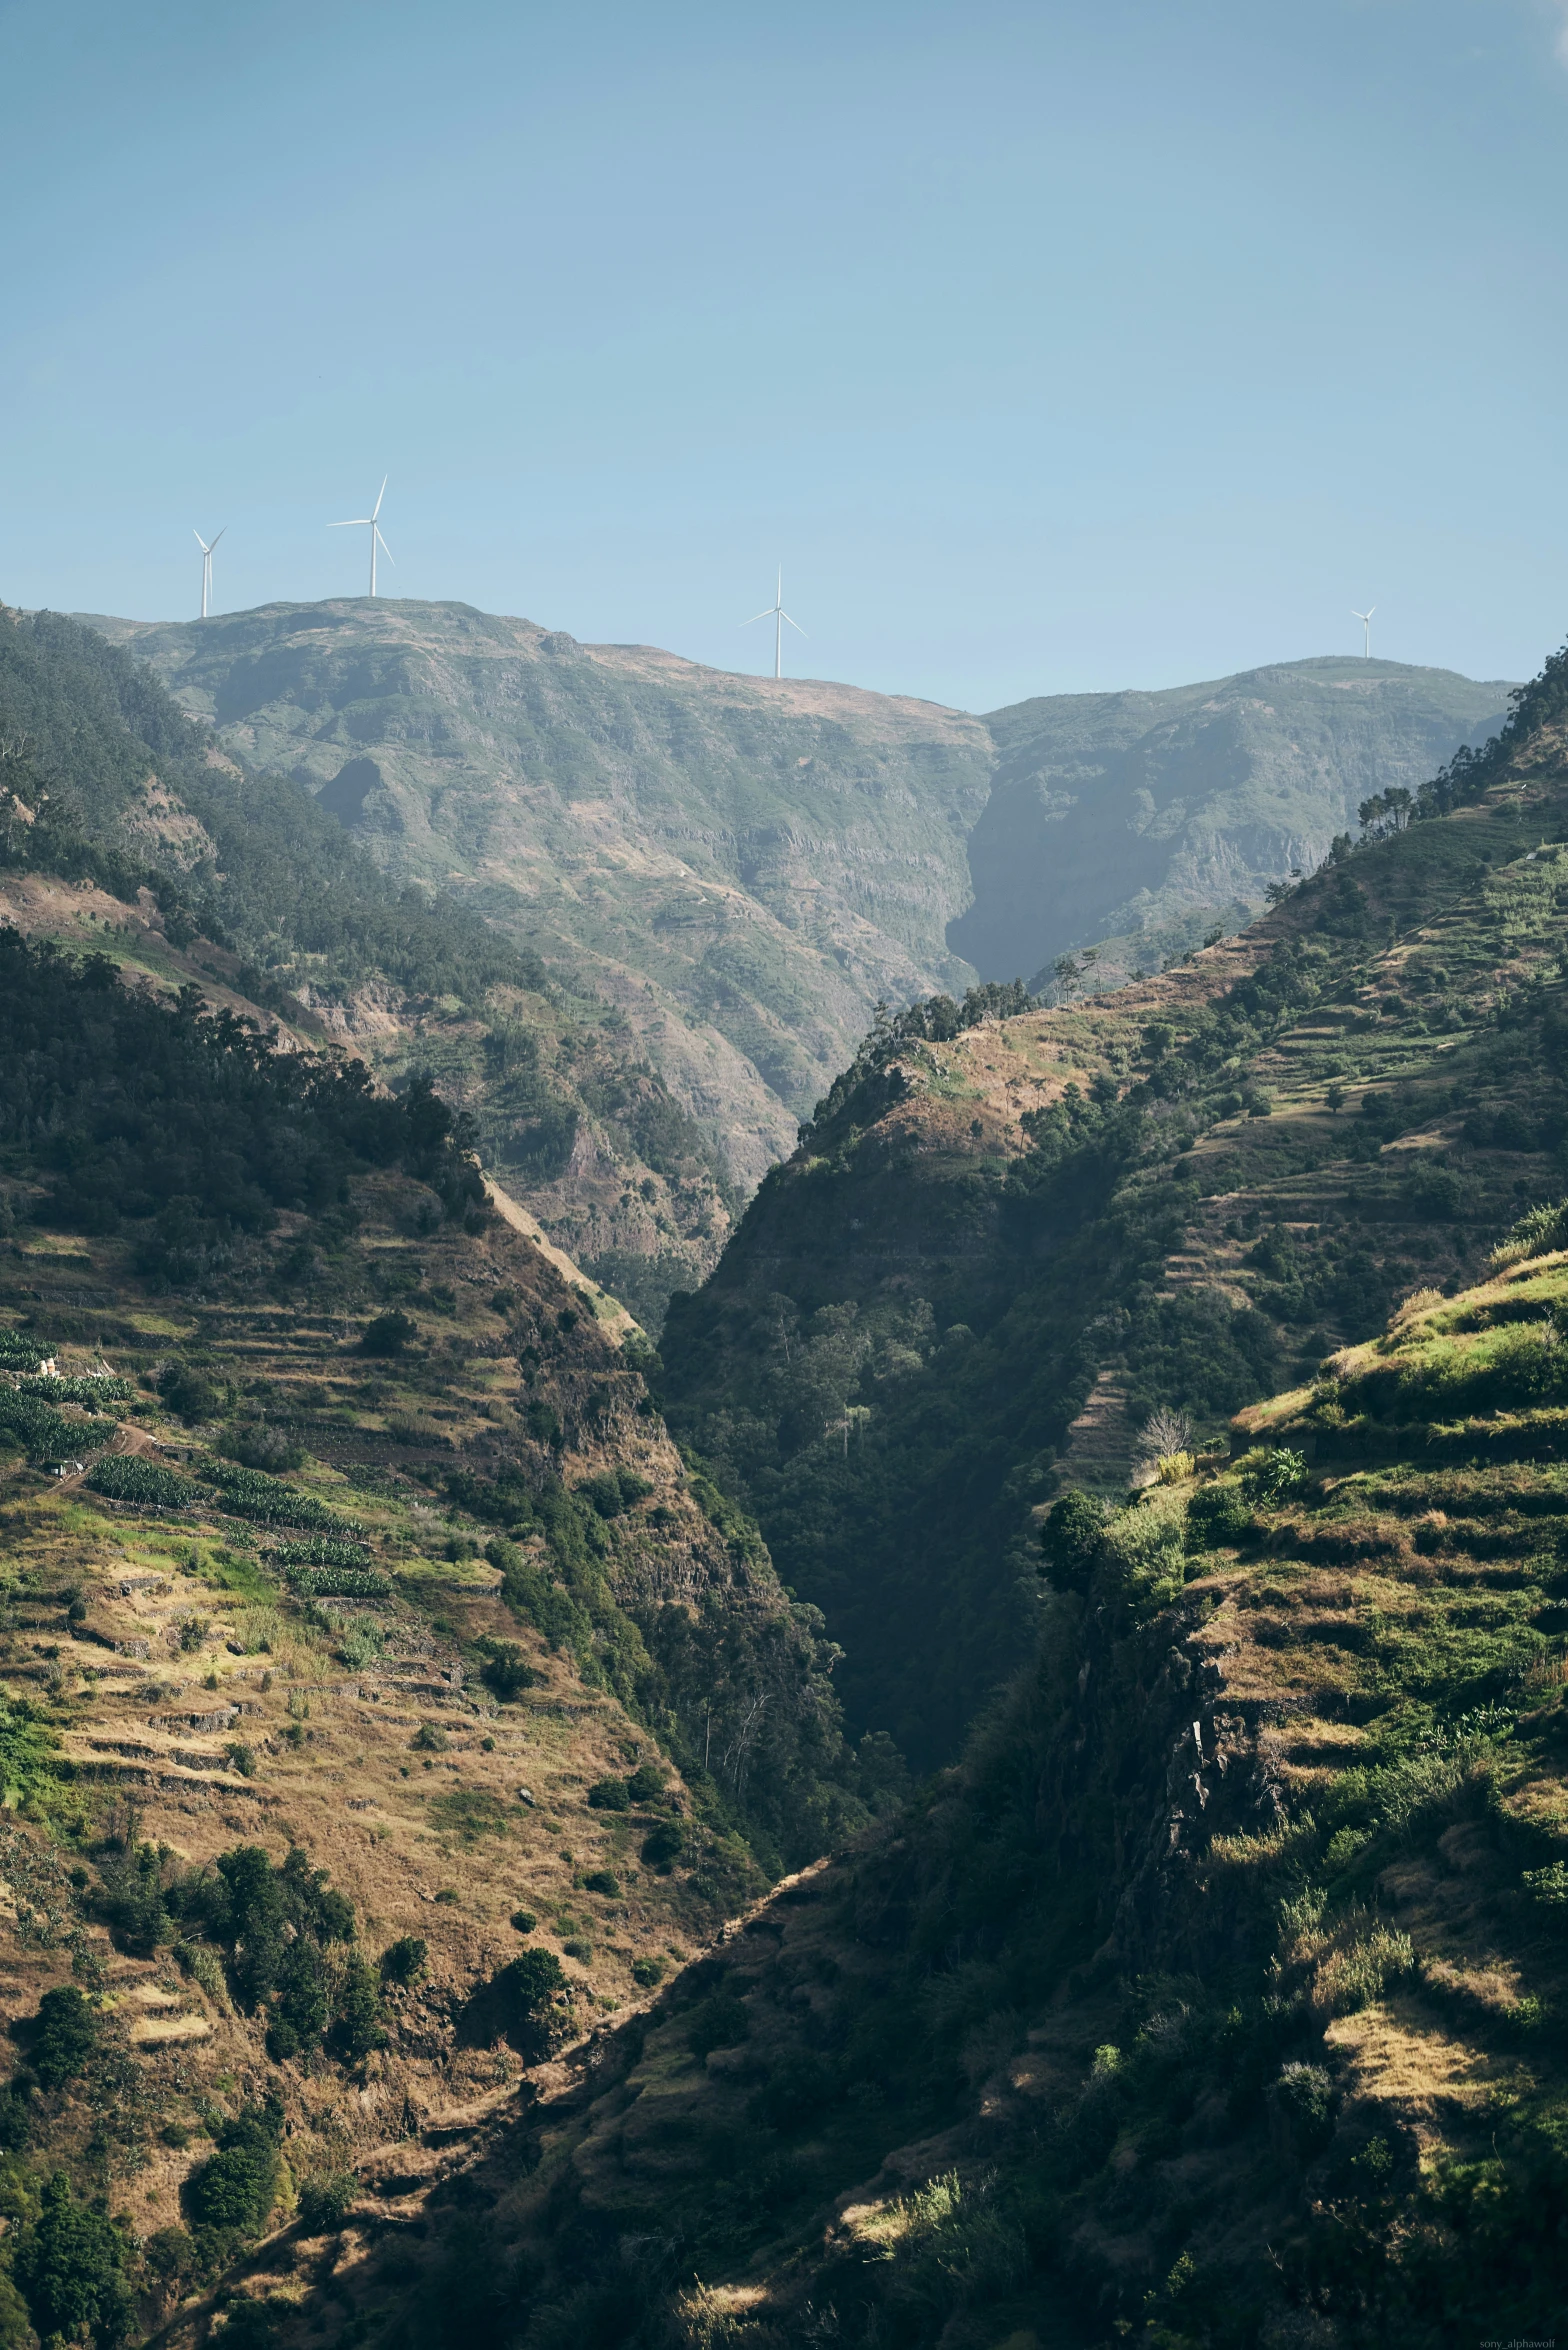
x=777 y=614
x=371 y=523
x=206 y=567
x=1365 y=619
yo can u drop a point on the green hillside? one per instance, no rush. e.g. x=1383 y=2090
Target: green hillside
x=1213 y=2001
x=254 y=891
x=1139 y=820
x=376 y=1679
x=998 y=1252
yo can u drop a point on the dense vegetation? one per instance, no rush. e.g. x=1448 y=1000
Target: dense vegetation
x=887 y=1365
x=184 y=1138
x=189 y=1125
x=1191 y=1968
x=82 y=727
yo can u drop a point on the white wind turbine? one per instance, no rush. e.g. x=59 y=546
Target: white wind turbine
x=370 y=523
x=777 y=614
x=206 y=567
x=1365 y=619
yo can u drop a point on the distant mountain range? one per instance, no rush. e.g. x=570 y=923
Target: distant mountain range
x=1134 y=821
x=743 y=868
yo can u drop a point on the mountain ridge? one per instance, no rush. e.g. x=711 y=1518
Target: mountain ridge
x=745 y=867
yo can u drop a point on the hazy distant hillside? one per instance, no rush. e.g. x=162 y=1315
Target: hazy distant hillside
x=744 y=866
x=1144 y=817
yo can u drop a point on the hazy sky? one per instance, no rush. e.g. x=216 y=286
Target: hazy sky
x=1080 y=344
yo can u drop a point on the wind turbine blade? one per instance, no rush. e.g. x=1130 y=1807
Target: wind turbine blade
x=380 y=494
x=795 y=624
x=765 y=614
x=201 y=542
x=385 y=549
x=358 y=523
x=215 y=541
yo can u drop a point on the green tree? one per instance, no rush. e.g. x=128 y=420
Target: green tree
x=358 y=2025
x=1070 y=1539
x=65 y=2036
x=233 y=2191
x=300 y=2016
x=71 y=2268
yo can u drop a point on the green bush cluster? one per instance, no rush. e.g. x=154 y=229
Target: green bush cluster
x=131 y=1477
x=232 y=2193
x=274 y=1926
x=47 y=1435
x=339 y=1583
x=248 y=1493
x=94 y=1391
x=319 y=1551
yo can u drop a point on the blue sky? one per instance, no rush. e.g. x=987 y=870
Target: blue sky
x=1051 y=348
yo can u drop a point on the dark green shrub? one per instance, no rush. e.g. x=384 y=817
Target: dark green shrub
x=235 y=2188
x=544 y=1422
x=388 y=1334
x=720 y=2022
x=795 y=2093
x=356 y=2028
x=299 y=2017
x=646 y=1972
x=1218 y=1515
x=646 y=1783
x=324 y=2201
x=258 y=1445
x=603 y=1881
x=609 y=1795
x=524 y=1920
x=71 y=2267
x=505 y=1672
x=404 y=1961
x=64 y=2037
x=529 y=1996
x=16 y=2123
x=189 y=1394
x=602 y=1493
x=664 y=1846
x=1271 y=1473
x=429 y=1738
x=1304 y=2094
x=132 y=1901
x=1070 y=1540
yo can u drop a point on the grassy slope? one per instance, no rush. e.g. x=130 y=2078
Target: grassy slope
x=925 y=1317
x=331 y=1762
x=1215 y=1998
x=651 y=1632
